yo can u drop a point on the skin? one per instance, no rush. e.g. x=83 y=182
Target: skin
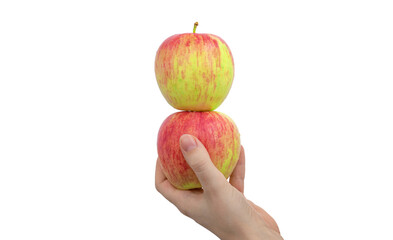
x=194 y=71
x=220 y=206
x=216 y=130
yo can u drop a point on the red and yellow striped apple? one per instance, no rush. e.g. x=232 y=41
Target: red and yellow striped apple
x=215 y=130
x=194 y=71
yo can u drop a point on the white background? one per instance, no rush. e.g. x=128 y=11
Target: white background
x=80 y=110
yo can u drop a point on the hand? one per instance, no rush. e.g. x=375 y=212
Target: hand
x=219 y=206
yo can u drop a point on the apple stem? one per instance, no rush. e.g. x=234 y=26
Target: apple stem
x=195 y=26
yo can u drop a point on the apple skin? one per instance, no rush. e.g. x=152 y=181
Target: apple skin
x=217 y=132
x=194 y=71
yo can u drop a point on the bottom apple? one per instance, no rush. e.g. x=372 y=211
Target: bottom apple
x=215 y=130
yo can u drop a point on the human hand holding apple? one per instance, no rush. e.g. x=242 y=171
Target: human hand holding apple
x=221 y=206
x=200 y=148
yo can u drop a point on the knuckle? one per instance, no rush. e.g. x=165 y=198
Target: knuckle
x=200 y=166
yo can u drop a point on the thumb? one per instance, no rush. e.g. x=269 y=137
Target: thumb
x=199 y=160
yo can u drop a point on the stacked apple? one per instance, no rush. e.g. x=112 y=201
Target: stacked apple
x=195 y=73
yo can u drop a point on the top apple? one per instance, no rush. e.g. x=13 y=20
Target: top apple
x=194 y=71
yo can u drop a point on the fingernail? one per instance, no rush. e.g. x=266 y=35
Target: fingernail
x=187 y=143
